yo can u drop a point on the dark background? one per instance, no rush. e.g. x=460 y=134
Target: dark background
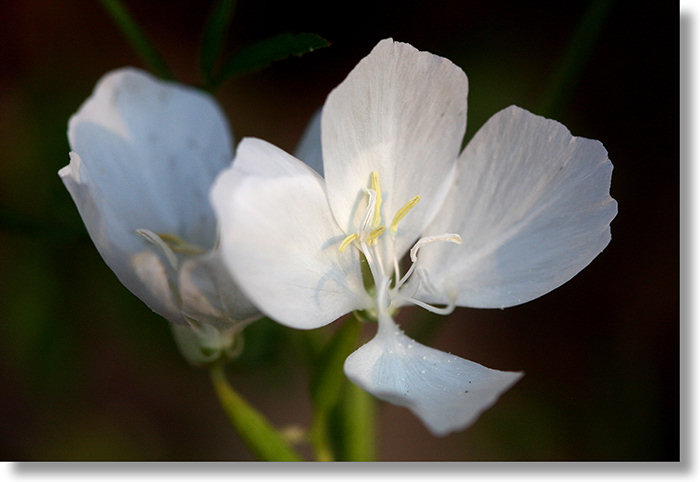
x=88 y=372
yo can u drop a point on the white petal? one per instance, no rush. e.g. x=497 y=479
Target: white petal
x=532 y=206
x=153 y=149
x=446 y=392
x=402 y=113
x=143 y=271
x=280 y=241
x=309 y=147
x=209 y=294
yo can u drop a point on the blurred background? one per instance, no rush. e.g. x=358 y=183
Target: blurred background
x=88 y=372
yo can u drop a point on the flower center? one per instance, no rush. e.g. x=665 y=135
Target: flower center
x=372 y=228
x=366 y=241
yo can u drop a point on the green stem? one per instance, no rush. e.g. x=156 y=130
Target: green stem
x=564 y=79
x=214 y=37
x=357 y=412
x=320 y=436
x=257 y=433
x=327 y=386
x=138 y=40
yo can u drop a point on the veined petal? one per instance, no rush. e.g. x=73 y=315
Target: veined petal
x=144 y=272
x=532 y=205
x=446 y=392
x=401 y=113
x=209 y=294
x=309 y=147
x=153 y=149
x=280 y=241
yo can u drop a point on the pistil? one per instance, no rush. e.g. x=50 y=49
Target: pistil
x=367 y=238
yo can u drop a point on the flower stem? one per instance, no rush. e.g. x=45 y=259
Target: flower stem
x=579 y=49
x=357 y=414
x=320 y=436
x=327 y=388
x=138 y=40
x=266 y=442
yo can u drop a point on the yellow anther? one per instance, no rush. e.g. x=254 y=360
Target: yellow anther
x=374 y=234
x=403 y=211
x=347 y=241
x=179 y=245
x=376 y=219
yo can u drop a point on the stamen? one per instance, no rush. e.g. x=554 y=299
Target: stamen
x=156 y=240
x=347 y=241
x=371 y=262
x=376 y=219
x=374 y=235
x=397 y=271
x=403 y=211
x=179 y=245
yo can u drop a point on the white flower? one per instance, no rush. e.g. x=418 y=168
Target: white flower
x=520 y=211
x=144 y=156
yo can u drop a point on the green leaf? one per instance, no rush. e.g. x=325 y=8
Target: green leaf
x=261 y=54
x=138 y=40
x=257 y=433
x=214 y=36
